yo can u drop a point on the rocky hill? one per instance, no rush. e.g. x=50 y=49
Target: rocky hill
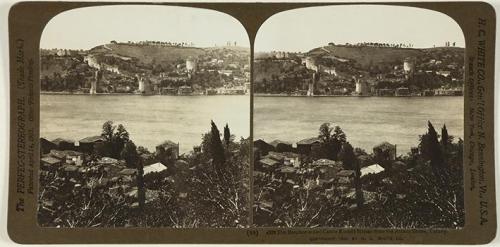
x=164 y=63
x=337 y=65
x=148 y=54
x=366 y=56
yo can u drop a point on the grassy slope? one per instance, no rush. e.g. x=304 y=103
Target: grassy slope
x=362 y=55
x=265 y=70
x=233 y=48
x=147 y=54
x=367 y=55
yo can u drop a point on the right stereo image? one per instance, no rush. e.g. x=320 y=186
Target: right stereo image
x=358 y=119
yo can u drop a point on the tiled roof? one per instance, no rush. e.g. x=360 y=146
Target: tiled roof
x=92 y=139
x=156 y=167
x=373 y=169
x=50 y=160
x=309 y=141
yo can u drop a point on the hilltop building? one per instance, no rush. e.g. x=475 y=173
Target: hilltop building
x=281 y=55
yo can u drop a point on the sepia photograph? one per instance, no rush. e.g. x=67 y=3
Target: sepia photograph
x=358 y=119
x=144 y=118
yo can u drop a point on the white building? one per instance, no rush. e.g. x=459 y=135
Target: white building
x=156 y=167
x=373 y=169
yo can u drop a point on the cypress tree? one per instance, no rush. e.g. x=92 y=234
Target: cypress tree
x=216 y=147
x=132 y=158
x=120 y=137
x=107 y=130
x=325 y=132
x=338 y=140
x=349 y=160
x=445 y=139
x=431 y=148
x=141 y=190
x=227 y=135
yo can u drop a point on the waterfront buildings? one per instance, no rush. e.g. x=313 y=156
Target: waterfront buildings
x=448 y=92
x=402 y=91
x=185 y=90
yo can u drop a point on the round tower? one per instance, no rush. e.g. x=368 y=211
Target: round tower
x=142 y=83
x=409 y=66
x=311 y=64
x=362 y=88
x=191 y=65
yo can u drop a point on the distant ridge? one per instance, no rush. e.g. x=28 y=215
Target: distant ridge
x=367 y=55
x=148 y=54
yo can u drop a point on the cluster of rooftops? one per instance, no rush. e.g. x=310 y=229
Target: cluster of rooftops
x=280 y=157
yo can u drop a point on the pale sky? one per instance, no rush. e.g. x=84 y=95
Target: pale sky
x=85 y=28
x=308 y=28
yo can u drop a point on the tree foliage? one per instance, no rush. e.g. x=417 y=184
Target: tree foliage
x=332 y=140
x=227 y=135
x=430 y=148
x=195 y=195
x=216 y=149
x=416 y=196
x=115 y=139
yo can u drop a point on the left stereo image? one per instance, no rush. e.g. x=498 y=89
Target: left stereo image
x=144 y=118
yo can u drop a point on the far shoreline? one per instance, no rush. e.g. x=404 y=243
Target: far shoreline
x=356 y=96
x=133 y=94
x=255 y=95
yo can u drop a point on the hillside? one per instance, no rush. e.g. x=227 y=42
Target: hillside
x=149 y=54
x=229 y=48
x=382 y=66
x=367 y=55
x=164 y=65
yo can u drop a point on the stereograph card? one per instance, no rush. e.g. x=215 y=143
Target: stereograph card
x=252 y=123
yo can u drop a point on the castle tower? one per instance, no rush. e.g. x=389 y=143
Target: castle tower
x=94 y=83
x=310 y=86
x=145 y=86
x=409 y=67
x=311 y=64
x=140 y=79
x=191 y=65
x=362 y=88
